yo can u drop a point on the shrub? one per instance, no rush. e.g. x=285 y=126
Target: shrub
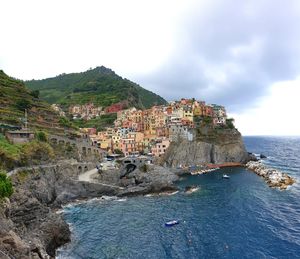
x=35 y=152
x=229 y=123
x=144 y=168
x=9 y=153
x=207 y=120
x=69 y=148
x=35 y=93
x=118 y=151
x=41 y=136
x=6 y=188
x=22 y=176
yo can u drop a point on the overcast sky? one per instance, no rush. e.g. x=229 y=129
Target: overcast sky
x=242 y=54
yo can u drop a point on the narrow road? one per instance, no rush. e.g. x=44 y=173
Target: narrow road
x=87 y=177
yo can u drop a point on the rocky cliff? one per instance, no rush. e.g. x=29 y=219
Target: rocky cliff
x=215 y=146
x=29 y=226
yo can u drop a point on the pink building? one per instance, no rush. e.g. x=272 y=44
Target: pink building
x=160 y=147
x=127 y=146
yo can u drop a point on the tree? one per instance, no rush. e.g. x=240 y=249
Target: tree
x=35 y=93
x=6 y=188
x=23 y=104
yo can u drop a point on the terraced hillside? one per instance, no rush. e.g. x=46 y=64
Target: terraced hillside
x=100 y=86
x=15 y=98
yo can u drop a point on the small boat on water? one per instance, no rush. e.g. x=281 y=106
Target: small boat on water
x=171 y=223
x=225 y=176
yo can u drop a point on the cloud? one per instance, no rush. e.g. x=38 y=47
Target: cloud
x=231 y=52
x=223 y=51
x=270 y=117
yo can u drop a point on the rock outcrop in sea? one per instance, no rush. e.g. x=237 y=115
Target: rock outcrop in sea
x=273 y=177
x=215 y=146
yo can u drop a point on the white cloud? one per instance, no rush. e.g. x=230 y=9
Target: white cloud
x=45 y=38
x=277 y=114
x=223 y=51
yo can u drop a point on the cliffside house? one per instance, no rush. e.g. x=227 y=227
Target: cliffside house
x=177 y=132
x=20 y=136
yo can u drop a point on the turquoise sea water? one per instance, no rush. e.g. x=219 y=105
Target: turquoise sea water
x=237 y=218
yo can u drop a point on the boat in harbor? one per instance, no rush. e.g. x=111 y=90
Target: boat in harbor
x=171 y=223
x=225 y=176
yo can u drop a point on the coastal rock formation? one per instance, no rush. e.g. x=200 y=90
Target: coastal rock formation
x=215 y=147
x=30 y=228
x=273 y=177
x=144 y=180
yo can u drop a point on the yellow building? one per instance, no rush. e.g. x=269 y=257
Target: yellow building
x=188 y=113
x=116 y=141
x=105 y=144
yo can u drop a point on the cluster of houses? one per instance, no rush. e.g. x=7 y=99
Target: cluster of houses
x=58 y=109
x=152 y=130
x=85 y=111
x=90 y=111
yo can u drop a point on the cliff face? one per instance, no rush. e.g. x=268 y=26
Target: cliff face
x=209 y=146
x=29 y=226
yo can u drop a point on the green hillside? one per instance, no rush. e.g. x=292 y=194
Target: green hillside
x=100 y=86
x=15 y=98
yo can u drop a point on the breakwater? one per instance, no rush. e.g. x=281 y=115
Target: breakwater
x=273 y=177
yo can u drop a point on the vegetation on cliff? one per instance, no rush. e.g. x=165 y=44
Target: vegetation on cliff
x=100 y=86
x=6 y=188
x=15 y=98
x=106 y=120
x=31 y=153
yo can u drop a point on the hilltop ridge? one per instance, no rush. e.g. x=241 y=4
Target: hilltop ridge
x=100 y=86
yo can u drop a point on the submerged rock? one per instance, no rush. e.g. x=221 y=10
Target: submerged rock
x=191 y=189
x=262 y=156
x=252 y=157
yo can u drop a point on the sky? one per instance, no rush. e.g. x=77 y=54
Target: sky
x=244 y=55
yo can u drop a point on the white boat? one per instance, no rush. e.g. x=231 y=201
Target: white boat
x=225 y=176
x=171 y=223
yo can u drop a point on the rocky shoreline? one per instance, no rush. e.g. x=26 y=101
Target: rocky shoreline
x=32 y=228
x=30 y=224
x=273 y=177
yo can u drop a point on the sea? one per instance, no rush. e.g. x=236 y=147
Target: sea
x=240 y=217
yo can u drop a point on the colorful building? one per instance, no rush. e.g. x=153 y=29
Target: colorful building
x=160 y=147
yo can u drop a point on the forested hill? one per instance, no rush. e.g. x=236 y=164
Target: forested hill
x=100 y=86
x=15 y=98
